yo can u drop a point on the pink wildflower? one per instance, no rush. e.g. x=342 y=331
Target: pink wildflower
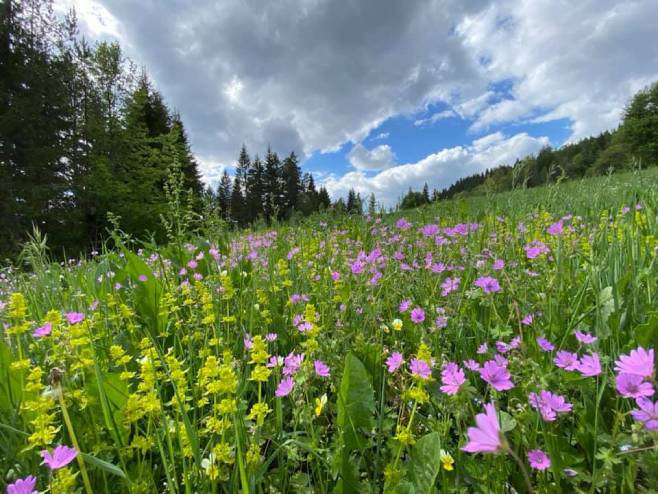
x=566 y=360
x=549 y=404
x=394 y=362
x=648 y=413
x=61 y=456
x=585 y=338
x=420 y=368
x=452 y=378
x=23 y=486
x=496 y=375
x=321 y=369
x=417 y=315
x=590 y=365
x=488 y=284
x=633 y=386
x=44 y=330
x=538 y=459
x=486 y=437
x=640 y=362
x=74 y=317
x=285 y=387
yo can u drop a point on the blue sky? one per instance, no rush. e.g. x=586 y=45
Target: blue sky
x=381 y=96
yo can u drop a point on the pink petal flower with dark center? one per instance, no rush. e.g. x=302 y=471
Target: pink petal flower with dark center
x=420 y=369
x=486 y=437
x=585 y=338
x=549 y=404
x=60 y=457
x=590 y=365
x=633 y=386
x=452 y=378
x=417 y=315
x=23 y=486
x=544 y=344
x=74 y=317
x=538 y=459
x=394 y=362
x=639 y=362
x=285 y=387
x=472 y=365
x=44 y=330
x=566 y=360
x=496 y=375
x=648 y=413
x=321 y=369
x=488 y=284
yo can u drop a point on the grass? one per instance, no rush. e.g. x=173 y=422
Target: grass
x=175 y=380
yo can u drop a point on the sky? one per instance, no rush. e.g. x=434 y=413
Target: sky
x=385 y=95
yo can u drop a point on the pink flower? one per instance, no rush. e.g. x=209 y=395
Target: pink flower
x=23 y=486
x=488 y=284
x=143 y=278
x=566 y=360
x=321 y=369
x=482 y=349
x=486 y=437
x=394 y=362
x=61 y=456
x=496 y=375
x=404 y=305
x=452 y=378
x=527 y=320
x=285 y=387
x=648 y=413
x=420 y=368
x=549 y=404
x=44 y=330
x=639 y=362
x=472 y=365
x=449 y=285
x=74 y=317
x=556 y=228
x=632 y=386
x=417 y=315
x=292 y=363
x=585 y=338
x=590 y=365
x=274 y=362
x=544 y=344
x=538 y=459
x=498 y=264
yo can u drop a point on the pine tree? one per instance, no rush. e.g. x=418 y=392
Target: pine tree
x=426 y=193
x=372 y=204
x=272 y=195
x=239 y=212
x=291 y=184
x=324 y=201
x=255 y=189
x=224 y=196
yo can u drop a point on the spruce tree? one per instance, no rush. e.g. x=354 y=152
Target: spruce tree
x=291 y=184
x=224 y=196
x=255 y=189
x=272 y=196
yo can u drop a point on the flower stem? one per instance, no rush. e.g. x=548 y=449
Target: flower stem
x=69 y=427
x=526 y=477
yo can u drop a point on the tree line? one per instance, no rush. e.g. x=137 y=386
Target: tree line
x=633 y=144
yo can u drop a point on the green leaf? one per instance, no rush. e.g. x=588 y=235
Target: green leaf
x=507 y=422
x=11 y=390
x=606 y=303
x=356 y=406
x=103 y=465
x=424 y=464
x=356 y=402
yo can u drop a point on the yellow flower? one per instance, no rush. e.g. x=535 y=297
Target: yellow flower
x=319 y=404
x=447 y=461
x=397 y=324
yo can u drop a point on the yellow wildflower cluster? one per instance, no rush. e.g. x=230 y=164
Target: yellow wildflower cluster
x=41 y=409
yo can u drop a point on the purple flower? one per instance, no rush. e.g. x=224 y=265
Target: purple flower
x=486 y=437
x=566 y=360
x=640 y=362
x=544 y=344
x=472 y=365
x=44 y=330
x=538 y=459
x=527 y=320
x=403 y=224
x=449 y=285
x=648 y=413
x=74 y=317
x=452 y=378
x=23 y=486
x=285 y=387
x=394 y=362
x=632 y=386
x=271 y=337
x=590 y=365
x=292 y=363
x=143 y=278
x=549 y=404
x=417 y=315
x=556 y=228
x=498 y=264
x=321 y=369
x=585 y=338
x=482 y=349
x=61 y=456
x=420 y=368
x=496 y=375
x=488 y=284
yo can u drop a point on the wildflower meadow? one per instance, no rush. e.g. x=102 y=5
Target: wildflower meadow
x=503 y=343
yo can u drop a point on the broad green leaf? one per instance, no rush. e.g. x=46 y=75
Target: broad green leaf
x=507 y=422
x=424 y=464
x=11 y=391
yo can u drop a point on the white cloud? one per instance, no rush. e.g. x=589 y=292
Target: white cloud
x=578 y=60
x=439 y=170
x=377 y=158
x=380 y=136
x=435 y=118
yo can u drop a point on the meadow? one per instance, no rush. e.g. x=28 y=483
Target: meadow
x=492 y=344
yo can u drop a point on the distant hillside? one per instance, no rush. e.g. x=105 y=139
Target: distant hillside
x=634 y=144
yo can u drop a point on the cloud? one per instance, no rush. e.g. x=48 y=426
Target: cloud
x=435 y=118
x=582 y=61
x=301 y=75
x=439 y=170
x=380 y=136
x=378 y=158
